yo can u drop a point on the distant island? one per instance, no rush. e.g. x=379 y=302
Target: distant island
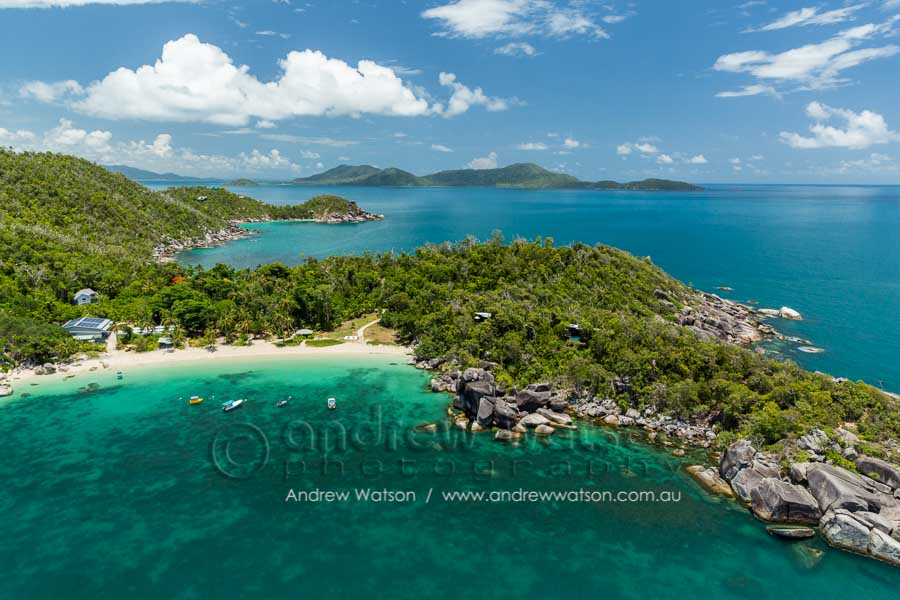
x=519 y=175
x=143 y=175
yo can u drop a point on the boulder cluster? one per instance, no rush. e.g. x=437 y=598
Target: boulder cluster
x=608 y=412
x=857 y=511
x=483 y=404
x=354 y=215
x=717 y=318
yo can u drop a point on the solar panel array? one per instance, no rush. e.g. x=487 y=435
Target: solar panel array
x=91 y=322
x=88 y=322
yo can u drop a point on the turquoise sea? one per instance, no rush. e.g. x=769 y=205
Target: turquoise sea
x=111 y=490
x=833 y=253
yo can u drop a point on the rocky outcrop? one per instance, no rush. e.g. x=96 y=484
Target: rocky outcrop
x=855 y=513
x=834 y=488
x=168 y=247
x=531 y=400
x=709 y=478
x=485 y=414
x=745 y=481
x=792 y=533
x=884 y=547
x=544 y=430
x=354 y=214
x=715 y=317
x=534 y=420
x=555 y=417
x=790 y=314
x=813 y=442
x=842 y=530
x=879 y=470
x=505 y=414
x=783 y=502
x=736 y=457
x=471 y=394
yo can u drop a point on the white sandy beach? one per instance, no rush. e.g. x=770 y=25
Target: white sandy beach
x=119 y=360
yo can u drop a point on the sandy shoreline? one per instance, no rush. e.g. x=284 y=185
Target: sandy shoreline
x=121 y=361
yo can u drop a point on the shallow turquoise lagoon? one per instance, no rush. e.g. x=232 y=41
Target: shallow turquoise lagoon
x=833 y=253
x=122 y=490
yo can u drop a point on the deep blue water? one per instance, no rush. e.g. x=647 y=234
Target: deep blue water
x=833 y=253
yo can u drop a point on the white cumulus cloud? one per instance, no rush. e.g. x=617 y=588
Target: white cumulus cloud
x=464 y=98
x=860 y=130
x=697 y=160
x=198 y=82
x=487 y=162
x=159 y=155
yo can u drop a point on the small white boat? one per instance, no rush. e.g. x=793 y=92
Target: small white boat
x=233 y=404
x=5 y=390
x=281 y=403
x=332 y=404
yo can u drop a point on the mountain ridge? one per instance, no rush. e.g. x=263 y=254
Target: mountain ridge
x=517 y=175
x=144 y=175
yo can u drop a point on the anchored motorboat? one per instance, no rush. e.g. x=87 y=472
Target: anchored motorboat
x=332 y=404
x=233 y=404
x=5 y=390
x=196 y=400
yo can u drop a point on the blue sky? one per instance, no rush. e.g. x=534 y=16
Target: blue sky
x=707 y=91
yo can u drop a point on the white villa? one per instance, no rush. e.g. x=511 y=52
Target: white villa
x=85 y=296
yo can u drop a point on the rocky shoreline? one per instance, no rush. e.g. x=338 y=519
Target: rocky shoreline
x=168 y=248
x=855 y=509
x=480 y=404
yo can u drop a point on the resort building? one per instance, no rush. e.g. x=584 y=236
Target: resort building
x=89 y=329
x=481 y=317
x=166 y=343
x=85 y=296
x=157 y=330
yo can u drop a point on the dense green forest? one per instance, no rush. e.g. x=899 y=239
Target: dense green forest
x=68 y=224
x=520 y=175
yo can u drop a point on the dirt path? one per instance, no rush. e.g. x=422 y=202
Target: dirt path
x=361 y=332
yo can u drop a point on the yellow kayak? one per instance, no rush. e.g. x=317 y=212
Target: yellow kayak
x=196 y=400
